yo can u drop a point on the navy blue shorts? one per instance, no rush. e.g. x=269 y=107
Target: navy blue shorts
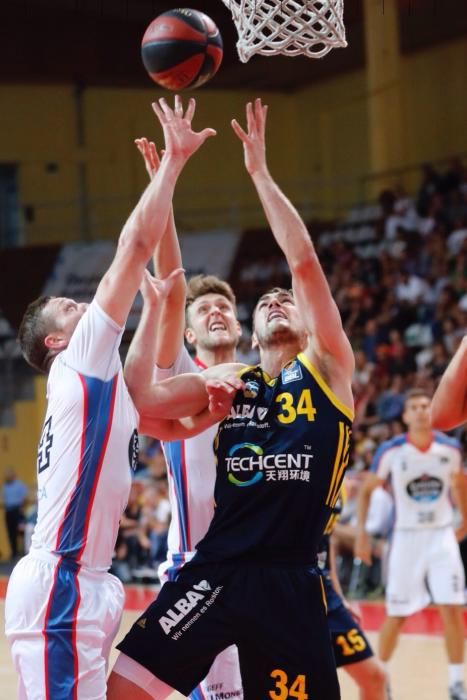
x=275 y=615
x=348 y=639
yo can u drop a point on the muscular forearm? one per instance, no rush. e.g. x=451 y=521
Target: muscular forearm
x=139 y=363
x=176 y=429
x=449 y=405
x=286 y=224
x=148 y=221
x=176 y=397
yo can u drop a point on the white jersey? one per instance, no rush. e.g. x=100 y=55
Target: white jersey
x=420 y=480
x=88 y=443
x=191 y=473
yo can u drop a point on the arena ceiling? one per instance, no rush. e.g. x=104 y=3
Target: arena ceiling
x=96 y=42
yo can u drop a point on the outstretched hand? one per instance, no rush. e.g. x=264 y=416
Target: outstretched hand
x=180 y=140
x=155 y=290
x=150 y=155
x=221 y=393
x=254 y=139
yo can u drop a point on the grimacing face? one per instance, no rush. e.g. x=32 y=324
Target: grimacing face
x=212 y=322
x=276 y=320
x=417 y=413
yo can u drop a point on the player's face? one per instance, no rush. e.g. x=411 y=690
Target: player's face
x=212 y=322
x=276 y=321
x=64 y=314
x=417 y=413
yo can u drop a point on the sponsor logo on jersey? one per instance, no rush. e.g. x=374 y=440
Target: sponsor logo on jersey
x=251 y=389
x=425 y=488
x=292 y=373
x=133 y=450
x=196 y=601
x=247 y=465
x=247 y=411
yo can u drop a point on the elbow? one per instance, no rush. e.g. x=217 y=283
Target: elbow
x=134 y=244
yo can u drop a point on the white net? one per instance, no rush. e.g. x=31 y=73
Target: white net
x=290 y=27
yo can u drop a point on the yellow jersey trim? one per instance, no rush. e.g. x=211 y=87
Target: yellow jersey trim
x=327 y=390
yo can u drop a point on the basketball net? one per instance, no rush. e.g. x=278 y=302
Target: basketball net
x=290 y=27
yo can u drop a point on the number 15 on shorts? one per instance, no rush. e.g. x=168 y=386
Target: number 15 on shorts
x=288 y=689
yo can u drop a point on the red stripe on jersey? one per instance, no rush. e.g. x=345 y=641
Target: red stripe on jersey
x=199 y=363
x=99 y=467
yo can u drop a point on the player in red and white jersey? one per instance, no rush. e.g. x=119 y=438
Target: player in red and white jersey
x=63 y=608
x=205 y=314
x=424 y=468
x=449 y=405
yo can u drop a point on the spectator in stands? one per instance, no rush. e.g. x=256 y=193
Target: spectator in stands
x=14 y=495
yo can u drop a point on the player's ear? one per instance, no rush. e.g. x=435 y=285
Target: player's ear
x=190 y=336
x=55 y=341
x=254 y=341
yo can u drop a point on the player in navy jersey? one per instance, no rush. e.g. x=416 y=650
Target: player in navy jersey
x=281 y=457
x=425 y=469
x=62 y=606
x=352 y=649
x=208 y=308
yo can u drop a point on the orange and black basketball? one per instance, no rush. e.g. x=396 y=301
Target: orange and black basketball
x=182 y=49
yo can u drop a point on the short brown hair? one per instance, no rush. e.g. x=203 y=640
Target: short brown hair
x=32 y=332
x=274 y=290
x=200 y=285
x=416 y=393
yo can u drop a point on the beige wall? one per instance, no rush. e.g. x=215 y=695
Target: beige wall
x=318 y=145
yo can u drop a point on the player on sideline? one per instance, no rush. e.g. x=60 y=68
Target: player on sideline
x=281 y=456
x=424 y=562
x=352 y=650
x=213 y=330
x=63 y=608
x=449 y=404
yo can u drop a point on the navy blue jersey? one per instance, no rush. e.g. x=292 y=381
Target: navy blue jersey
x=281 y=456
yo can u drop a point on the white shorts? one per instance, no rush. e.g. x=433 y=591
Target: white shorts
x=60 y=623
x=424 y=566
x=224 y=679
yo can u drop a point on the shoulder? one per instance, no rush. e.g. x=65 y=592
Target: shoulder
x=388 y=446
x=446 y=440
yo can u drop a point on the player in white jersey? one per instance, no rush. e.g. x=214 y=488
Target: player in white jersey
x=213 y=330
x=424 y=468
x=63 y=608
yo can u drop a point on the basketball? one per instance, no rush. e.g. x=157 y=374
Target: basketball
x=181 y=49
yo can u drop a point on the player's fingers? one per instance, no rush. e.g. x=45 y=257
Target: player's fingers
x=159 y=113
x=190 y=110
x=250 y=120
x=178 y=106
x=239 y=131
x=178 y=272
x=206 y=133
x=168 y=112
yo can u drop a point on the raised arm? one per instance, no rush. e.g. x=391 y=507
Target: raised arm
x=139 y=362
x=167 y=258
x=311 y=290
x=147 y=223
x=217 y=400
x=449 y=404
